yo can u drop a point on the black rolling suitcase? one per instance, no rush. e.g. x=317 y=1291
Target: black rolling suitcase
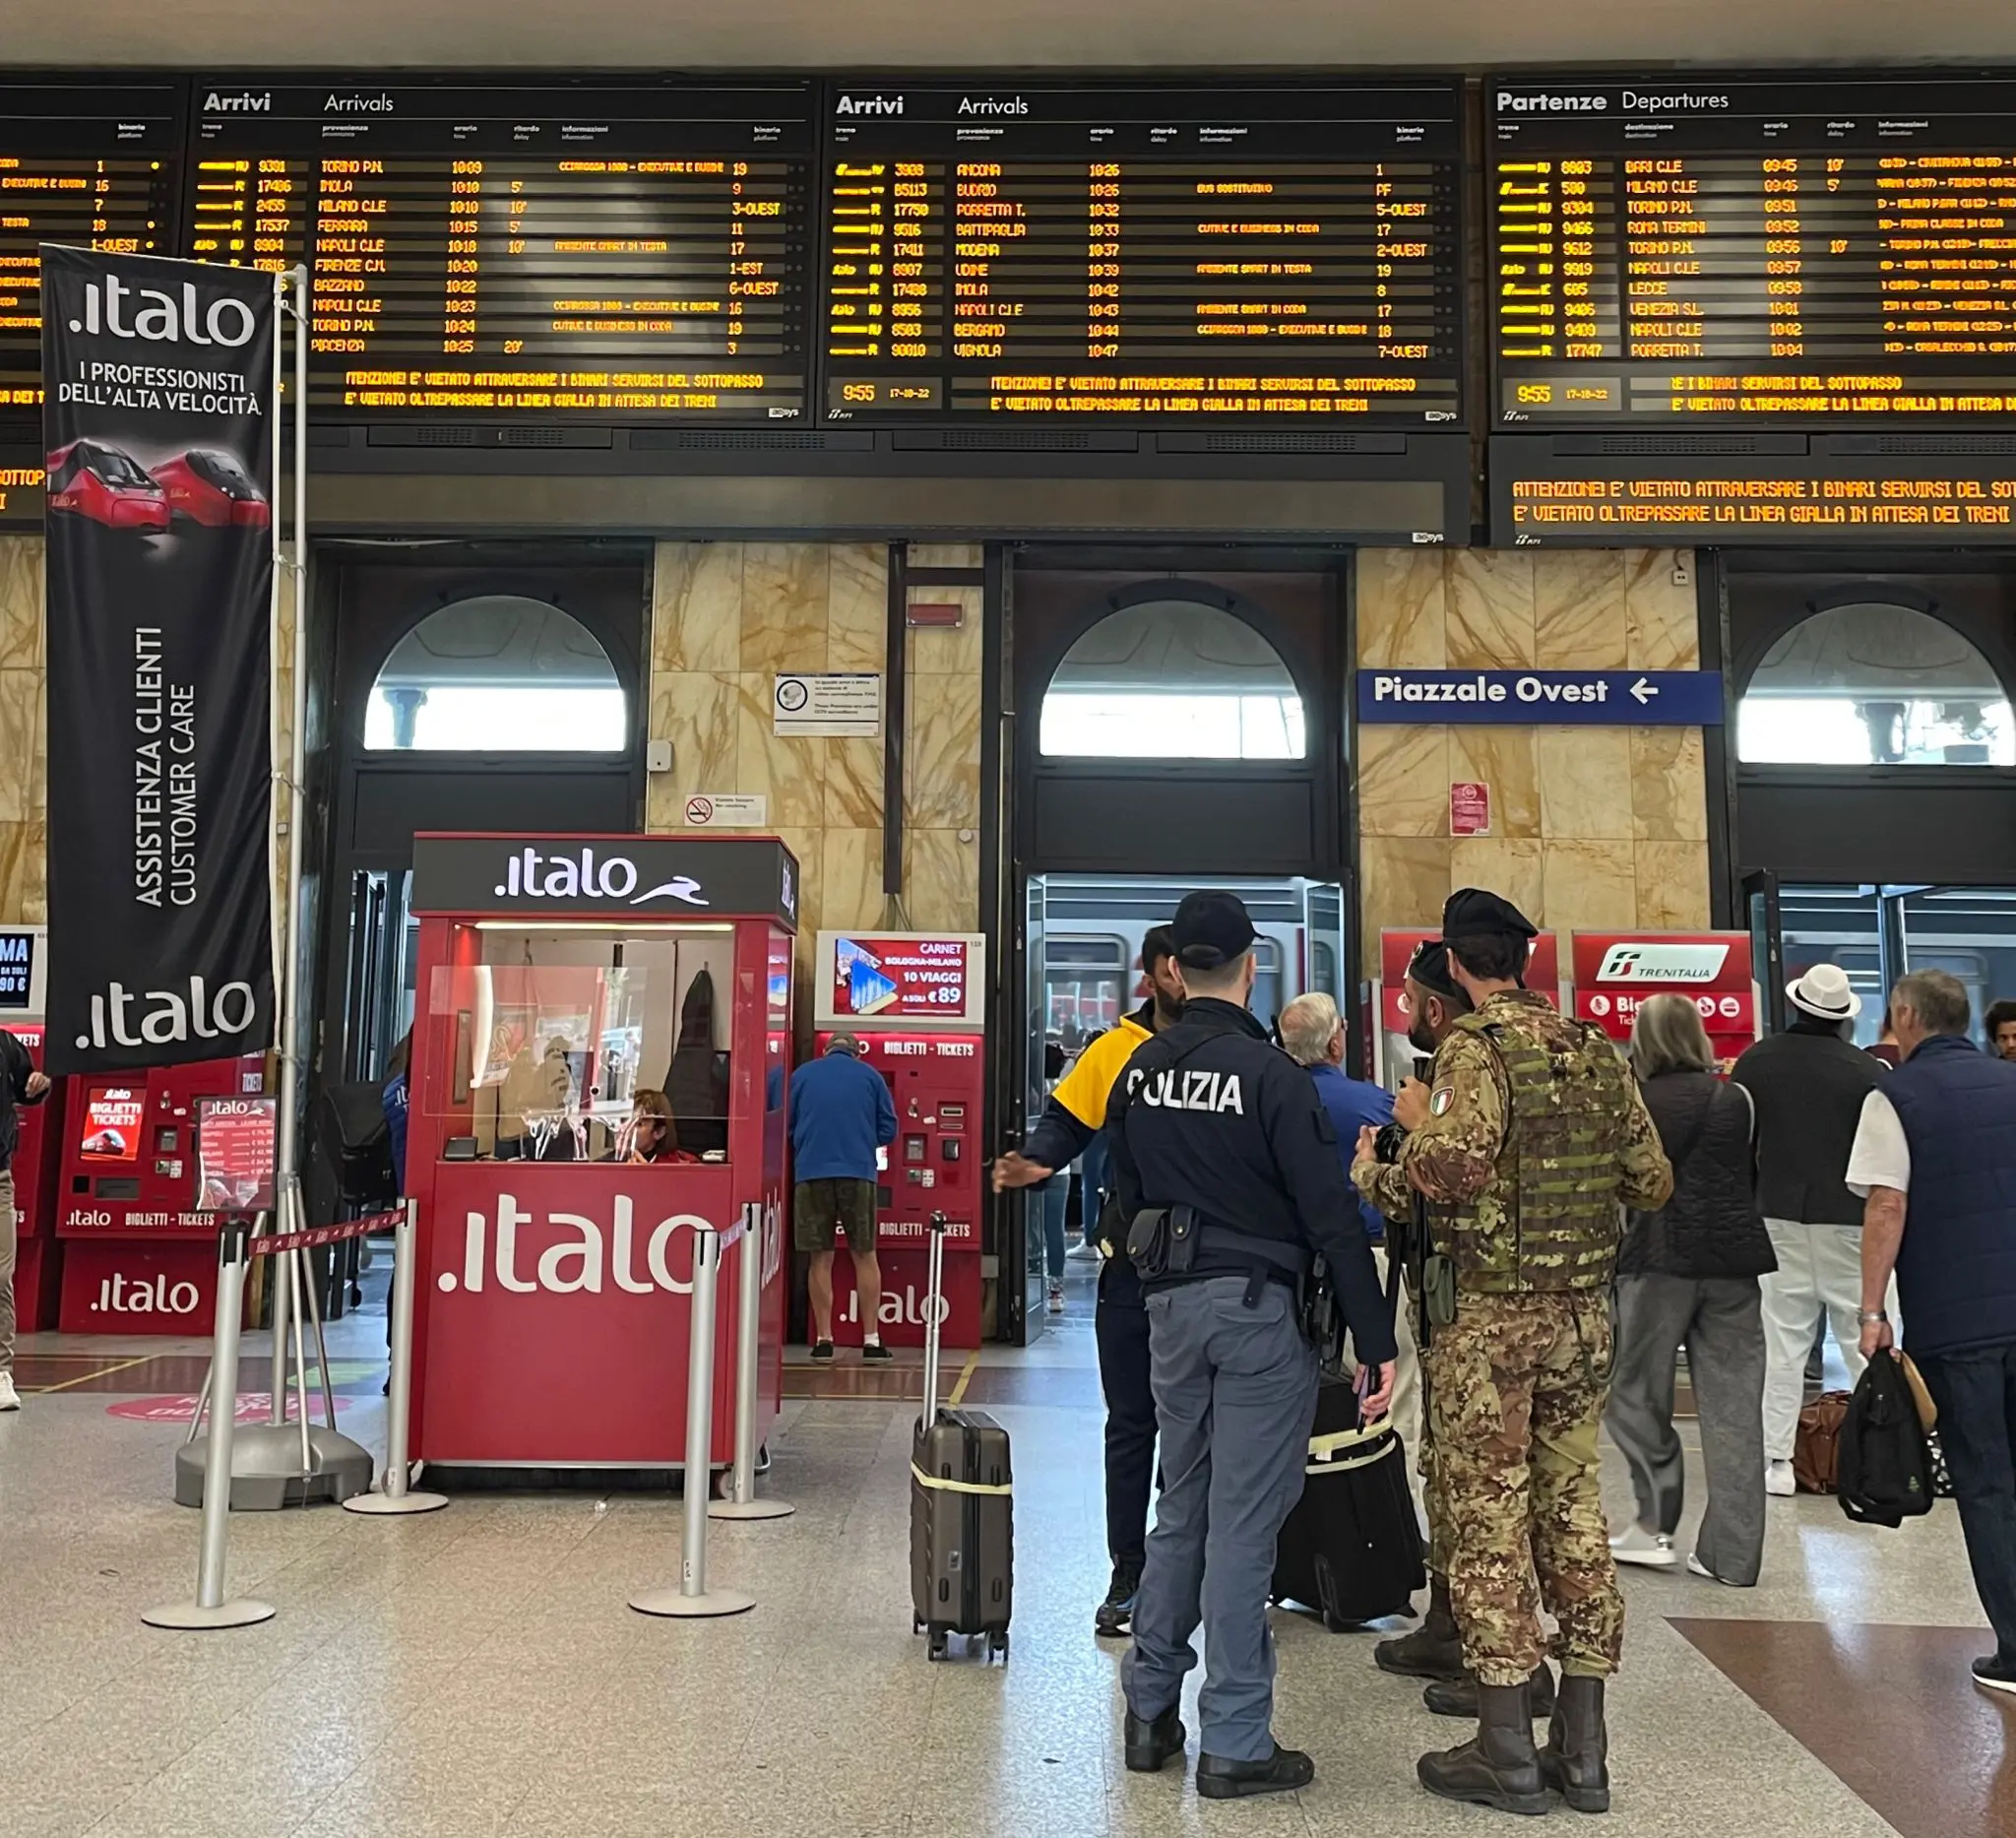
x=962 y=1509
x=1350 y=1549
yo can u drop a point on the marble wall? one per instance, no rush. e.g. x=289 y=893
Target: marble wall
x=727 y=619
x=1590 y=826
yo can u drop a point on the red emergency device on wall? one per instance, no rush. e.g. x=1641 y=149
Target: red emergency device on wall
x=139 y=1258
x=560 y=976
x=915 y=1000
x=38 y=1259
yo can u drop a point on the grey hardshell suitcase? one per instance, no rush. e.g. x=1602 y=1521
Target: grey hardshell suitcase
x=961 y=1507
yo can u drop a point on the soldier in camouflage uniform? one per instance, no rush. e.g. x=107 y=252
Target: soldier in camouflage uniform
x=1529 y=1140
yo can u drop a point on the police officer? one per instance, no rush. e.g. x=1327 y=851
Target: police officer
x=1529 y=1140
x=1227 y=1167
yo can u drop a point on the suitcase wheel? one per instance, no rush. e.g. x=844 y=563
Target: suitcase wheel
x=1337 y=1625
x=997 y=1649
x=917 y=1623
x=936 y=1649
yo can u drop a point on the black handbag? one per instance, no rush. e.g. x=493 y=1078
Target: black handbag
x=1884 y=1461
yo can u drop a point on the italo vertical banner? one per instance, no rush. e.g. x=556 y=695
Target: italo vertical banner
x=158 y=380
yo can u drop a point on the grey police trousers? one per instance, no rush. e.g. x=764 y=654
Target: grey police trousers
x=1234 y=1401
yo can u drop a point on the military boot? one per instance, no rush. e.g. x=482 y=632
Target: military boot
x=1457 y=1697
x=1576 y=1759
x=1434 y=1650
x=1499 y=1767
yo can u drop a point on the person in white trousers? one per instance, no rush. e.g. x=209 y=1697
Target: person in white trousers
x=1808 y=1085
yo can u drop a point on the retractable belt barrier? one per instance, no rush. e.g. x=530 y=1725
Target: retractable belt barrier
x=313 y=1238
x=398 y=1495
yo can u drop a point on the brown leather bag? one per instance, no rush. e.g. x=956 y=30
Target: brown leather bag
x=1815 y=1450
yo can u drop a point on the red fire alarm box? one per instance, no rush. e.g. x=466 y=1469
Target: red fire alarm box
x=914 y=1000
x=1617 y=973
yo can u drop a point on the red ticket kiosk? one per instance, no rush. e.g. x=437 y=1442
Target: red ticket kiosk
x=138 y=1257
x=39 y=1263
x=1393 y=1054
x=559 y=976
x=1615 y=972
x=915 y=1000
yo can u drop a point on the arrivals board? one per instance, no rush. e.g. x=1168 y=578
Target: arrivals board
x=1039 y=252
x=569 y=250
x=91 y=164
x=1776 y=250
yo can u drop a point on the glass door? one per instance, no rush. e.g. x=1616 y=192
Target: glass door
x=1037 y=1075
x=1767 y=948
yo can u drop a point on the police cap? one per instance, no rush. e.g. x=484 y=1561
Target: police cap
x=1211 y=931
x=1472 y=913
x=1429 y=967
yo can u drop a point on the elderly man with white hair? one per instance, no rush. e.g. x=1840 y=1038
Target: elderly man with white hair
x=1312 y=1030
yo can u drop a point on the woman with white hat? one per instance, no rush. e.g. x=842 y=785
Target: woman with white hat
x=1808 y=1084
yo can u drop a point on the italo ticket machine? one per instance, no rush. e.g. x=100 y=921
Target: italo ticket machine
x=1617 y=973
x=37 y=1150
x=1393 y=1054
x=560 y=980
x=915 y=1000
x=139 y=1257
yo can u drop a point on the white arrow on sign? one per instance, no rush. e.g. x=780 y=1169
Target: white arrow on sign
x=1644 y=691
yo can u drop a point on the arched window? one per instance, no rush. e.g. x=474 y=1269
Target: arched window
x=1172 y=679
x=1874 y=685
x=497 y=674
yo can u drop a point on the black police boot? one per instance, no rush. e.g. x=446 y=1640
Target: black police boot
x=1115 y=1614
x=1434 y=1650
x=1150 y=1745
x=1576 y=1760
x=1457 y=1697
x=1281 y=1773
x=1499 y=1767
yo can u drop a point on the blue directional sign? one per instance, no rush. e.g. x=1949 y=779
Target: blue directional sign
x=1543 y=698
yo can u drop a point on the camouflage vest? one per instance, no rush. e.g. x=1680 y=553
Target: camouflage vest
x=1551 y=1218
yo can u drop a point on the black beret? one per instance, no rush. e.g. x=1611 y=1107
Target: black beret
x=1429 y=967
x=1472 y=913
x=1210 y=930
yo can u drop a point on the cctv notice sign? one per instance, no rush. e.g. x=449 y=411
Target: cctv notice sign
x=157 y=418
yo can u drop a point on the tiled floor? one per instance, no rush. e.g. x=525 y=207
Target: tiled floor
x=476 y=1671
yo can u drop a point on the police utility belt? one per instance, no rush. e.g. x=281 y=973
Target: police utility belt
x=1167 y=1241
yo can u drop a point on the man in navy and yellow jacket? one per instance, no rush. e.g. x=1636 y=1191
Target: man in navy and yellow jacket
x=1074 y=1115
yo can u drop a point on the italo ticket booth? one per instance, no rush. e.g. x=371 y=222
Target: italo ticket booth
x=559 y=976
x=915 y=1000
x=39 y=1150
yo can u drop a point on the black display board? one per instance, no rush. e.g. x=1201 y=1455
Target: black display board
x=552 y=250
x=1287 y=254
x=84 y=161
x=1697 y=249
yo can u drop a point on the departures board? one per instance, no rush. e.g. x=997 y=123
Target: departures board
x=88 y=164
x=566 y=250
x=1815 y=251
x=1280 y=255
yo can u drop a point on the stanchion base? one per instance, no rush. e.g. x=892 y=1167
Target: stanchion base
x=670 y=1602
x=750 y=1509
x=383 y=1504
x=244 y=1613
x=266 y=1467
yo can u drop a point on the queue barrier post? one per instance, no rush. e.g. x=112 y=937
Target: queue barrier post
x=740 y=1501
x=693 y=1599
x=399 y=1496
x=210 y=1609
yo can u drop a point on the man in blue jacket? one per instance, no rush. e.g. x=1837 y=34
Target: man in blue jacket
x=841 y=1114
x=1935 y=1155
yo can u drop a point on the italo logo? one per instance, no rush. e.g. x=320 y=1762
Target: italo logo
x=245 y=102
x=171 y=1015
x=530 y=875
x=1650 y=962
x=896 y=1309
x=581 y=1257
x=868 y=105
x=160 y=316
x=119 y=1293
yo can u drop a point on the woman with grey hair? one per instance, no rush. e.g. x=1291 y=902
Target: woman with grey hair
x=1687 y=1276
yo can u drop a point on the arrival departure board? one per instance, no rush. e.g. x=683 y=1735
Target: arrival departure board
x=92 y=165
x=568 y=251
x=1686 y=249
x=1176 y=255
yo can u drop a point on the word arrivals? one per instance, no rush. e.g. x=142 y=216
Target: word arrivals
x=531 y=875
x=171 y=1018
x=122 y=1295
x=579 y=1261
x=1177 y=1089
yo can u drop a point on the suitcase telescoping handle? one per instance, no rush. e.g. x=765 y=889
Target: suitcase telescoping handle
x=934 y=1295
